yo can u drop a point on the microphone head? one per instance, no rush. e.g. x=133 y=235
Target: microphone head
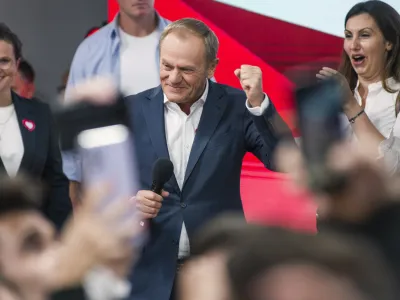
x=162 y=171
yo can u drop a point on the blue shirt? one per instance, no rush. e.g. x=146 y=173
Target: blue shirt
x=97 y=55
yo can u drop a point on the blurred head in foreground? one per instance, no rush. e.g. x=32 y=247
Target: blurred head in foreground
x=365 y=188
x=205 y=277
x=283 y=265
x=25 y=235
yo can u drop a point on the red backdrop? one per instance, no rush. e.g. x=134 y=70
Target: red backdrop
x=277 y=47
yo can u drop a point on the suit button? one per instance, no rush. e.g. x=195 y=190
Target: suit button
x=183 y=205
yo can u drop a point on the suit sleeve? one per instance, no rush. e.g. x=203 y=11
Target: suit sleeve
x=58 y=206
x=264 y=132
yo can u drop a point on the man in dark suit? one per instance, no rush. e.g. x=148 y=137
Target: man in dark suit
x=205 y=129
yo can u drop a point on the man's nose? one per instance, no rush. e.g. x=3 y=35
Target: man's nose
x=175 y=76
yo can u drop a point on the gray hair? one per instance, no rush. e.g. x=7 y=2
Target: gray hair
x=199 y=29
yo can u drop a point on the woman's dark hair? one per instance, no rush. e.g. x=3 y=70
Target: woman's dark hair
x=388 y=21
x=10 y=37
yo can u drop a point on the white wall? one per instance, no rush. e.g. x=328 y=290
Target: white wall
x=322 y=15
x=50 y=31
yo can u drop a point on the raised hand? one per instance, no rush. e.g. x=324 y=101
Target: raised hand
x=327 y=73
x=251 y=81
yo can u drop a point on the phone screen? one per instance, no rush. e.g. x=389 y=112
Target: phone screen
x=107 y=155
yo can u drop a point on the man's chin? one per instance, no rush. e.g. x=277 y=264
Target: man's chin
x=174 y=97
x=177 y=101
x=142 y=11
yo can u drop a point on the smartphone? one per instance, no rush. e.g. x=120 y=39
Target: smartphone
x=319 y=109
x=107 y=156
x=73 y=119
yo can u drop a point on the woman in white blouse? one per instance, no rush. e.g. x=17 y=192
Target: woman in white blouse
x=370 y=72
x=28 y=142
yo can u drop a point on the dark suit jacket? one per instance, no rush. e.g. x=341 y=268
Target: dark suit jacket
x=42 y=157
x=212 y=182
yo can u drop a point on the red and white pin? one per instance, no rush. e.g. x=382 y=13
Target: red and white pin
x=28 y=124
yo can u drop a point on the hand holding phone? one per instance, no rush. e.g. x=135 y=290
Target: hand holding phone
x=107 y=156
x=319 y=109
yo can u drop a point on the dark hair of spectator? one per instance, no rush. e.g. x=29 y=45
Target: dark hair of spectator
x=27 y=71
x=19 y=194
x=354 y=260
x=223 y=233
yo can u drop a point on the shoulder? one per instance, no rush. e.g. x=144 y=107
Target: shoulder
x=163 y=22
x=34 y=103
x=96 y=40
x=147 y=94
x=39 y=109
x=231 y=92
x=393 y=84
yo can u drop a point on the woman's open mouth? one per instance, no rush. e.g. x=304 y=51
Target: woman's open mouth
x=358 y=60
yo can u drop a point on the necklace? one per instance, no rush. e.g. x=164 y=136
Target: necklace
x=4 y=124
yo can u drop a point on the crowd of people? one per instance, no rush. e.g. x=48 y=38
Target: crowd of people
x=59 y=240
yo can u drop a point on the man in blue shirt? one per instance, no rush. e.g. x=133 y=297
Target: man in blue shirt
x=121 y=50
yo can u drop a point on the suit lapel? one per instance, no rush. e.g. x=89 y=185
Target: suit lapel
x=213 y=110
x=153 y=110
x=25 y=118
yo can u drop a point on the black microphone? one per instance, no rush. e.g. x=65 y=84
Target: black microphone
x=162 y=172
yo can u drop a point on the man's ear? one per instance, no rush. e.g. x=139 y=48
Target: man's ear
x=212 y=67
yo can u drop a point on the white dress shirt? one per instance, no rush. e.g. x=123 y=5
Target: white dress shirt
x=180 y=130
x=380 y=109
x=380 y=105
x=100 y=283
x=11 y=144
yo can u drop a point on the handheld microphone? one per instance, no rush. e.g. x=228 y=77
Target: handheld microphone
x=162 y=172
